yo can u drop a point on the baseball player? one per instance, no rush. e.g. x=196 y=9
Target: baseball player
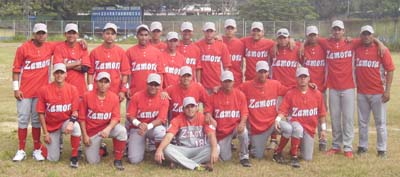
x=314 y=60
x=236 y=49
x=147 y=113
x=262 y=98
x=188 y=48
x=156 y=32
x=111 y=58
x=229 y=108
x=214 y=59
x=374 y=75
x=57 y=107
x=196 y=141
x=173 y=60
x=304 y=108
x=99 y=116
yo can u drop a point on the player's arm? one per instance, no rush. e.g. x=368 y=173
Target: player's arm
x=389 y=79
x=381 y=47
x=123 y=87
x=198 y=75
x=322 y=123
x=159 y=155
x=46 y=134
x=17 y=93
x=90 y=81
x=106 y=131
x=214 y=148
x=85 y=136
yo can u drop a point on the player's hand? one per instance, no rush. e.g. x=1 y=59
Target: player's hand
x=277 y=126
x=105 y=132
x=218 y=37
x=313 y=85
x=386 y=97
x=214 y=156
x=323 y=135
x=164 y=95
x=142 y=129
x=159 y=156
x=86 y=140
x=121 y=96
x=241 y=127
x=83 y=43
x=348 y=39
x=210 y=120
x=47 y=138
x=18 y=95
x=215 y=89
x=68 y=129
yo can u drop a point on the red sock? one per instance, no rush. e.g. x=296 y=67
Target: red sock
x=119 y=147
x=44 y=150
x=295 y=146
x=75 y=141
x=282 y=144
x=36 y=138
x=22 y=133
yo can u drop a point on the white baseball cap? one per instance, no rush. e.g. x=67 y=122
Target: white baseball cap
x=262 y=65
x=230 y=22
x=153 y=77
x=110 y=26
x=338 y=23
x=367 y=28
x=71 y=27
x=187 y=26
x=142 y=26
x=311 y=30
x=185 y=70
x=40 y=27
x=155 y=25
x=302 y=71
x=172 y=35
x=59 y=67
x=189 y=101
x=227 y=75
x=209 y=25
x=257 y=25
x=103 y=75
x=282 y=32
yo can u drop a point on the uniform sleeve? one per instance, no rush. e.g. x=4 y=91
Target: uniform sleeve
x=132 y=107
x=85 y=58
x=125 y=67
x=388 y=61
x=116 y=114
x=92 y=58
x=209 y=108
x=285 y=105
x=282 y=90
x=161 y=63
x=321 y=105
x=54 y=45
x=41 y=103
x=83 y=108
x=163 y=111
x=198 y=55
x=226 y=56
x=356 y=42
x=174 y=126
x=204 y=97
x=75 y=98
x=57 y=55
x=323 y=42
x=209 y=128
x=244 y=111
x=18 y=60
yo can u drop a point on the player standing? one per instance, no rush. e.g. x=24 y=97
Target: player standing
x=188 y=48
x=156 y=32
x=173 y=61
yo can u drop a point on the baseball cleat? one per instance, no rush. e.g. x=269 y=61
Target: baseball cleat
x=118 y=165
x=361 y=151
x=382 y=154
x=278 y=158
x=74 y=162
x=348 y=154
x=333 y=151
x=19 y=156
x=37 y=155
x=295 y=162
x=245 y=163
x=322 y=147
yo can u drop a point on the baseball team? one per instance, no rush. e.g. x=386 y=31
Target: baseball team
x=187 y=100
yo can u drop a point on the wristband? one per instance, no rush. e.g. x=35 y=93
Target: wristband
x=136 y=122
x=73 y=119
x=90 y=87
x=150 y=126
x=278 y=119
x=15 y=85
x=323 y=126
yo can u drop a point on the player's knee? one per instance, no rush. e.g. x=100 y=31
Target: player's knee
x=76 y=131
x=135 y=158
x=159 y=133
x=121 y=134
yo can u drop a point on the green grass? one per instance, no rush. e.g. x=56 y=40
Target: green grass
x=322 y=165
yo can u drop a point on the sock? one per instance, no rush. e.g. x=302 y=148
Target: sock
x=22 y=133
x=119 y=147
x=44 y=151
x=294 y=146
x=282 y=144
x=75 y=142
x=36 y=138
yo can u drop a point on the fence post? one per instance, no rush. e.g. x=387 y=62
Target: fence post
x=62 y=24
x=93 y=30
x=125 y=30
x=244 y=28
x=14 y=27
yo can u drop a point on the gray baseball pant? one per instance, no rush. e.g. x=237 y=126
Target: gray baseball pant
x=367 y=103
x=225 y=145
x=341 y=106
x=53 y=149
x=26 y=109
x=189 y=157
x=258 y=142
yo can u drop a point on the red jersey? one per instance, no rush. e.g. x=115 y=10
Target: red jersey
x=178 y=93
x=304 y=108
x=284 y=65
x=192 y=56
x=262 y=103
x=255 y=51
x=236 y=49
x=146 y=108
x=190 y=133
x=143 y=61
x=33 y=63
x=227 y=109
x=371 y=69
x=57 y=103
x=97 y=113
x=160 y=46
x=214 y=58
x=112 y=60
x=66 y=54
x=314 y=60
x=172 y=68
x=339 y=58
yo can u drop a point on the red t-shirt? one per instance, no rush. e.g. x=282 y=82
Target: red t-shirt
x=314 y=60
x=160 y=46
x=33 y=65
x=369 y=74
x=255 y=51
x=97 y=113
x=236 y=49
x=227 y=110
x=262 y=101
x=65 y=54
x=192 y=56
x=178 y=93
x=112 y=60
x=304 y=108
x=284 y=65
x=172 y=68
x=190 y=133
x=214 y=58
x=57 y=103
x=143 y=61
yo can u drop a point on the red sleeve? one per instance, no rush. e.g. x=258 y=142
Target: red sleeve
x=209 y=128
x=388 y=61
x=41 y=103
x=116 y=115
x=204 y=97
x=323 y=42
x=226 y=57
x=85 y=58
x=83 y=108
x=244 y=111
x=356 y=42
x=160 y=67
x=282 y=90
x=92 y=58
x=285 y=105
x=53 y=45
x=75 y=99
x=198 y=55
x=125 y=67
x=210 y=104
x=174 y=126
x=18 y=60
x=163 y=114
x=57 y=56
x=132 y=107
x=321 y=104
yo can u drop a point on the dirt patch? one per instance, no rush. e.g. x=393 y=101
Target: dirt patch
x=8 y=126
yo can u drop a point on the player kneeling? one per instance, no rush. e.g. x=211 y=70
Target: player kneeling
x=195 y=140
x=99 y=116
x=57 y=106
x=303 y=107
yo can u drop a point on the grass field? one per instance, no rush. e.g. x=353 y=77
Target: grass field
x=322 y=165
